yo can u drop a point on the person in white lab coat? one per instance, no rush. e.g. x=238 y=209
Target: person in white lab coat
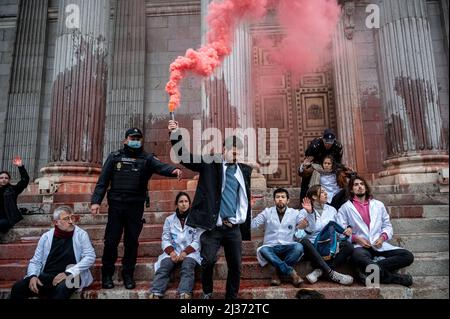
x=279 y=248
x=372 y=228
x=61 y=262
x=318 y=214
x=181 y=246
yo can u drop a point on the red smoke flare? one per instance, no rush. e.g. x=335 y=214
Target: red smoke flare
x=223 y=18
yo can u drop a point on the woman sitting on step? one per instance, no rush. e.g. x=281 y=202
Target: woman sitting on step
x=9 y=212
x=318 y=215
x=181 y=246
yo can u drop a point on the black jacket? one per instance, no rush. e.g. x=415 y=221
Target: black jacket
x=152 y=165
x=206 y=204
x=317 y=150
x=10 y=193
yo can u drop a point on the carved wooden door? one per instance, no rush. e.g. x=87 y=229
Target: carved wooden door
x=299 y=108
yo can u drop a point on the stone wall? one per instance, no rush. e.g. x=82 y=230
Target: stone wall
x=167 y=38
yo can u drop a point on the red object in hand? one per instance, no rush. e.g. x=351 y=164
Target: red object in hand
x=17 y=160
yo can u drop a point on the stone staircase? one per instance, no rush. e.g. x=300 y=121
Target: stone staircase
x=419 y=216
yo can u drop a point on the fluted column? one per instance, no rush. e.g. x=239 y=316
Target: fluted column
x=25 y=96
x=226 y=96
x=413 y=123
x=125 y=107
x=350 y=131
x=79 y=88
x=226 y=101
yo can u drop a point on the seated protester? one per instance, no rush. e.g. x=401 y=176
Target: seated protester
x=329 y=175
x=181 y=246
x=279 y=248
x=60 y=263
x=317 y=215
x=371 y=229
x=316 y=151
x=9 y=212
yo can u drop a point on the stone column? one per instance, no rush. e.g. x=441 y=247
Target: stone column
x=346 y=81
x=444 y=6
x=79 y=91
x=226 y=95
x=27 y=82
x=126 y=80
x=413 y=124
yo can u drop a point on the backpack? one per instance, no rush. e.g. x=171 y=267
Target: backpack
x=327 y=242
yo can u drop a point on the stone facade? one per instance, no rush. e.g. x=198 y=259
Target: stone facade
x=144 y=37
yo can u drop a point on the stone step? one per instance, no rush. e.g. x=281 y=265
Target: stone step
x=405 y=189
x=96 y=232
x=422 y=242
x=86 y=218
x=413 y=199
x=147 y=248
x=430 y=287
x=417 y=243
x=433 y=211
x=425 y=264
x=429 y=264
x=418 y=211
x=420 y=225
x=154 y=231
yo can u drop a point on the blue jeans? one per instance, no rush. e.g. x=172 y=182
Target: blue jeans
x=283 y=257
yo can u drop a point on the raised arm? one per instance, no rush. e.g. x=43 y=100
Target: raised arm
x=181 y=152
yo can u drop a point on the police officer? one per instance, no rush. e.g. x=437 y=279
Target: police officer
x=316 y=152
x=127 y=172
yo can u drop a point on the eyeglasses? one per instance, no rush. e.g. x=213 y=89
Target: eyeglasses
x=67 y=218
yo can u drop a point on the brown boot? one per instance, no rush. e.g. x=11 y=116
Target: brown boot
x=296 y=279
x=275 y=280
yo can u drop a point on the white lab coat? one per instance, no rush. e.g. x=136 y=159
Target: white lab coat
x=380 y=223
x=179 y=238
x=317 y=222
x=242 y=208
x=276 y=233
x=82 y=248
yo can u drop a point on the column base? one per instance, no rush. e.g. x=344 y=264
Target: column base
x=67 y=183
x=412 y=169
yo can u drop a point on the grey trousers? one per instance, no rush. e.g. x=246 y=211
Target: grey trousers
x=162 y=276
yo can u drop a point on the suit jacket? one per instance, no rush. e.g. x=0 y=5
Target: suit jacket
x=206 y=204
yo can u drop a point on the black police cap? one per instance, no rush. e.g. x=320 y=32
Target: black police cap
x=133 y=132
x=329 y=136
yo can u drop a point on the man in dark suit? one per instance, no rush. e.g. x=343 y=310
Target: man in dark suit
x=221 y=207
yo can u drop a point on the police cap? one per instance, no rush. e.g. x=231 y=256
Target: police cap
x=133 y=132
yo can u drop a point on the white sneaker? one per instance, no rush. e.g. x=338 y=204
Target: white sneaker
x=314 y=275
x=341 y=278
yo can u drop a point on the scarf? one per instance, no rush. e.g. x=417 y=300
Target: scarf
x=63 y=234
x=182 y=216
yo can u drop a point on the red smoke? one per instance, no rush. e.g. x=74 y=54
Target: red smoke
x=307 y=29
x=223 y=18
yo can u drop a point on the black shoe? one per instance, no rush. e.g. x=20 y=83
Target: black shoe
x=402 y=279
x=107 y=282
x=128 y=282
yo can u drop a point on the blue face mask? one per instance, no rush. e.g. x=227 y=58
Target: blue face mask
x=134 y=144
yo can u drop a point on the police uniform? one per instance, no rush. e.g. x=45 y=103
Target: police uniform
x=318 y=150
x=127 y=172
